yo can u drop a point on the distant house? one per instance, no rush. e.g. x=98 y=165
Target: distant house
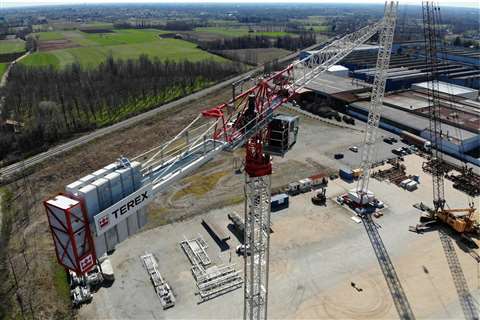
x=10 y=125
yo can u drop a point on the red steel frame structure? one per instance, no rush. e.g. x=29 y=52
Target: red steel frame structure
x=71 y=234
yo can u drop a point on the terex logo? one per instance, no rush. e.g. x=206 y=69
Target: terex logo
x=130 y=205
x=121 y=210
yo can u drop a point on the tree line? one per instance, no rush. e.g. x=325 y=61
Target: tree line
x=54 y=104
x=287 y=42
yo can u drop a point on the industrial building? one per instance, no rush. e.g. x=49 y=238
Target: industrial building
x=406 y=69
x=404 y=110
x=459 y=66
x=459 y=142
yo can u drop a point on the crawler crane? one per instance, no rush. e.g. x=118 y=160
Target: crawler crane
x=460 y=220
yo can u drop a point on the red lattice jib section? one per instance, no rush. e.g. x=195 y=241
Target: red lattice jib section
x=71 y=233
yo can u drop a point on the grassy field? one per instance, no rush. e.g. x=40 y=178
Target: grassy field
x=3 y=68
x=68 y=25
x=125 y=37
x=317 y=23
x=12 y=46
x=92 y=48
x=255 y=56
x=239 y=32
x=49 y=35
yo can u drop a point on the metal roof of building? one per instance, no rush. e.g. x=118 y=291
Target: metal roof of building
x=446 y=88
x=331 y=84
x=337 y=67
x=414 y=121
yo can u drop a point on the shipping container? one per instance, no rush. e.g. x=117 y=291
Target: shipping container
x=346 y=174
x=279 y=202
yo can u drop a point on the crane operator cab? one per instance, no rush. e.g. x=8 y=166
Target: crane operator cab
x=282 y=131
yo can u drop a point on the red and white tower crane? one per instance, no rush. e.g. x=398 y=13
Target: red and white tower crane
x=246 y=120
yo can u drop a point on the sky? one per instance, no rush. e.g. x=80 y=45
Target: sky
x=19 y=3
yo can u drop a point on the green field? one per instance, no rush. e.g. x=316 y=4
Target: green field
x=239 y=32
x=12 y=46
x=317 y=23
x=94 y=48
x=125 y=37
x=50 y=35
x=3 y=68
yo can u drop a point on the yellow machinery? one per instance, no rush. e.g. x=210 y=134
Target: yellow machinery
x=461 y=220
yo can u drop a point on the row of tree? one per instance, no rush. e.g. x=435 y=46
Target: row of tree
x=54 y=104
x=287 y=42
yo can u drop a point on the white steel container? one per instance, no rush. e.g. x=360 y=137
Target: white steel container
x=104 y=193
x=90 y=197
x=73 y=187
x=100 y=173
x=115 y=186
x=132 y=224
x=122 y=230
x=100 y=243
x=112 y=238
x=111 y=167
x=88 y=179
x=127 y=180
x=142 y=217
x=137 y=175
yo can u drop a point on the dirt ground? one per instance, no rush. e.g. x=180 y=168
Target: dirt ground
x=56 y=45
x=316 y=253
